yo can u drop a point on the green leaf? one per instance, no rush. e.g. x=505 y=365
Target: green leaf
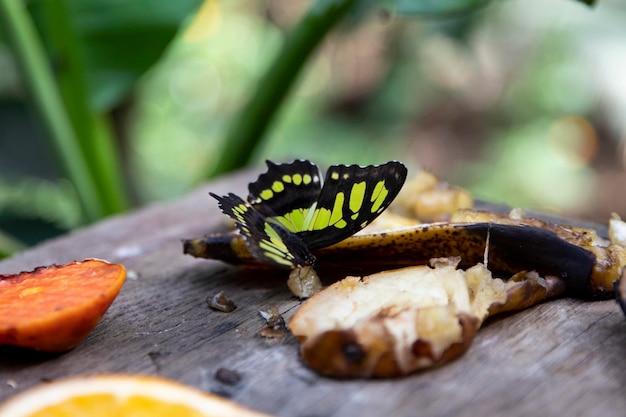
x=37 y=75
x=246 y=133
x=437 y=7
x=33 y=198
x=99 y=48
x=91 y=128
x=122 y=39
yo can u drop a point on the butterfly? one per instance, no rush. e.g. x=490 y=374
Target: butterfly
x=291 y=211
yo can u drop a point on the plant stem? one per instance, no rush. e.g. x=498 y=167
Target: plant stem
x=92 y=130
x=248 y=128
x=29 y=52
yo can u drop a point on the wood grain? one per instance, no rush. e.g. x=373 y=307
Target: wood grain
x=564 y=357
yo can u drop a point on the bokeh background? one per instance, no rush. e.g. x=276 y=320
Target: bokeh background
x=520 y=101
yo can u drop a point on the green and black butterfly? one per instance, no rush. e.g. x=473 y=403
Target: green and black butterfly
x=291 y=212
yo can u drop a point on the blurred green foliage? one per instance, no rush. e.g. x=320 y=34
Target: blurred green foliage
x=80 y=59
x=117 y=41
x=160 y=95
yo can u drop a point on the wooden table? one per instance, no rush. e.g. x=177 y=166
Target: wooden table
x=561 y=358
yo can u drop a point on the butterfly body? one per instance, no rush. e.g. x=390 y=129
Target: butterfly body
x=291 y=211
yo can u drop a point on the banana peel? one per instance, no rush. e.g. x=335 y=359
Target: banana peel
x=508 y=244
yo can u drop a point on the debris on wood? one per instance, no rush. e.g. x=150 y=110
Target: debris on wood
x=220 y=302
x=275 y=328
x=227 y=376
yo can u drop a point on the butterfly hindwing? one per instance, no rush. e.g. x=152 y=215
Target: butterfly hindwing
x=267 y=240
x=351 y=198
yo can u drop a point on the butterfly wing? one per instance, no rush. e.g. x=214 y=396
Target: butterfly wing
x=266 y=240
x=351 y=198
x=290 y=212
x=287 y=193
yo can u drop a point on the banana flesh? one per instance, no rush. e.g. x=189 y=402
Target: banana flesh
x=396 y=322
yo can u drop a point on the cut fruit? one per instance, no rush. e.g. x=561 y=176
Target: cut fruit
x=429 y=199
x=52 y=309
x=395 y=322
x=120 y=396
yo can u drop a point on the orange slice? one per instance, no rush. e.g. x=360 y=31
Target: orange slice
x=54 y=308
x=120 y=396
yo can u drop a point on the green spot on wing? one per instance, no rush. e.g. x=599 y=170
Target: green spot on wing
x=267 y=194
x=337 y=212
x=322 y=219
x=278 y=186
x=357 y=194
x=379 y=195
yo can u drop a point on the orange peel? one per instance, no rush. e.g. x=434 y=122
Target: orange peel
x=52 y=309
x=121 y=396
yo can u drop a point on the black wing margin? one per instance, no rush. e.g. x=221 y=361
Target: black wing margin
x=285 y=187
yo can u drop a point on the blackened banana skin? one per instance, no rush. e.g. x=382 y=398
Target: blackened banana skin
x=620 y=291
x=512 y=248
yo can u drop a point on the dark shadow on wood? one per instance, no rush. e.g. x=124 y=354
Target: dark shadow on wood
x=13 y=357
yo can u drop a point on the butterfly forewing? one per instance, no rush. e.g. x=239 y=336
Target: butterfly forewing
x=266 y=240
x=287 y=192
x=351 y=198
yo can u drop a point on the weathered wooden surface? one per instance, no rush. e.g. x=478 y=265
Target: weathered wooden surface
x=565 y=357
